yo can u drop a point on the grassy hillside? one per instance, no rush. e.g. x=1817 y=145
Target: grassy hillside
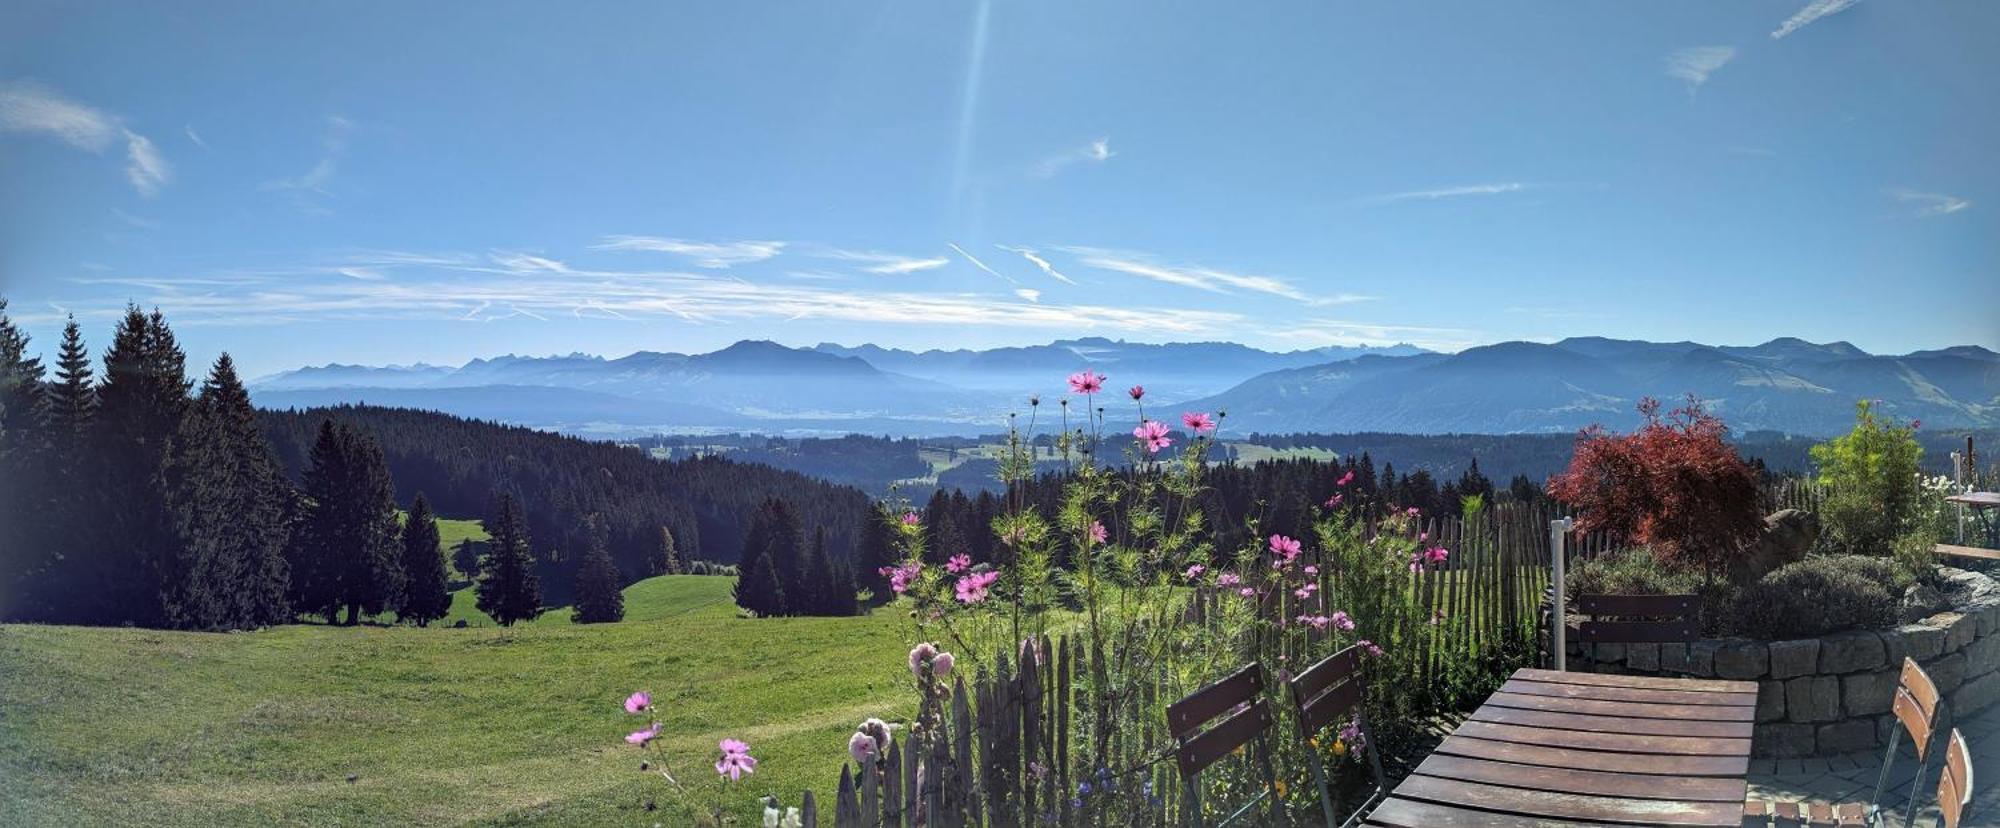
x=323 y=725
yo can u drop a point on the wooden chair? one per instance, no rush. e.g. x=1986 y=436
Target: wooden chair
x=1919 y=708
x=1635 y=619
x=1212 y=723
x=1321 y=696
x=1954 y=795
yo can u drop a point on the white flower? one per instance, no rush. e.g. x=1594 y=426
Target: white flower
x=793 y=819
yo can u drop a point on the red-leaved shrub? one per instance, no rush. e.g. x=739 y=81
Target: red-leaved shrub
x=1674 y=484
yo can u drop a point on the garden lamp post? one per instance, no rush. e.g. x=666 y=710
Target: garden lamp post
x=1558 y=602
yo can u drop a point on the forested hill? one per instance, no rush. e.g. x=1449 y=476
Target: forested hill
x=461 y=465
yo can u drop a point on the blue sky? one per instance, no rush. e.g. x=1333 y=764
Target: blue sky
x=390 y=182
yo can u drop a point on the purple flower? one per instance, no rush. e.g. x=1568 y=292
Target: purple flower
x=1137 y=391
x=861 y=746
x=1086 y=381
x=1345 y=478
x=909 y=518
x=958 y=563
x=941 y=666
x=1369 y=647
x=735 y=760
x=921 y=655
x=1342 y=622
x=641 y=737
x=972 y=588
x=1195 y=571
x=1198 y=422
x=638 y=701
x=1284 y=547
x=1154 y=434
x=1097 y=532
x=1228 y=579
x=901 y=576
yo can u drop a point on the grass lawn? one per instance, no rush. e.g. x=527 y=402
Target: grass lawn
x=323 y=725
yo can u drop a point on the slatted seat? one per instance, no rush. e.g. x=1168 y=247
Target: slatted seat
x=1637 y=619
x=1321 y=696
x=1213 y=722
x=1918 y=708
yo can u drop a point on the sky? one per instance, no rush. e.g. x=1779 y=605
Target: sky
x=395 y=183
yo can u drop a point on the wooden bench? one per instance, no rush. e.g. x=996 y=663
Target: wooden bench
x=1975 y=552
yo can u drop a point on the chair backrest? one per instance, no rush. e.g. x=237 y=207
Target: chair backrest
x=1637 y=619
x=1916 y=706
x=1321 y=696
x=1213 y=722
x=1955 y=782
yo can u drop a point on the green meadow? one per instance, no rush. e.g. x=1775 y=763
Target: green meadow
x=309 y=724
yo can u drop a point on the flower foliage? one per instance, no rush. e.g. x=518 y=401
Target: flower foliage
x=1675 y=484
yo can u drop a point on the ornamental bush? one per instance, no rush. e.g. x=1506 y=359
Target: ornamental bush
x=1871 y=479
x=1820 y=595
x=1675 y=485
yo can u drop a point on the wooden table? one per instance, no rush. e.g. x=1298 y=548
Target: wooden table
x=1583 y=749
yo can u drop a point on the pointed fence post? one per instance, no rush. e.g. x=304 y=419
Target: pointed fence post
x=1558 y=602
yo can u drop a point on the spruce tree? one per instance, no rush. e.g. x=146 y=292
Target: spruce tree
x=466 y=558
x=426 y=588
x=596 y=589
x=22 y=453
x=346 y=554
x=785 y=544
x=128 y=548
x=669 y=560
x=73 y=397
x=228 y=504
x=508 y=590
x=757 y=587
x=875 y=550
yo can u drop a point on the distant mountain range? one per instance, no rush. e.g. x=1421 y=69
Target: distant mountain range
x=1786 y=385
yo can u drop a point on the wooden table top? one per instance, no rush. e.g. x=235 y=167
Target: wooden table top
x=1977 y=500
x=1554 y=749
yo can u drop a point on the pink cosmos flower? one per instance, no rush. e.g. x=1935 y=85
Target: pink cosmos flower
x=1345 y=479
x=1198 y=422
x=1351 y=734
x=1412 y=511
x=1086 y=381
x=1369 y=647
x=972 y=588
x=1317 y=622
x=902 y=575
x=641 y=737
x=1306 y=591
x=1154 y=434
x=1195 y=571
x=1436 y=555
x=1137 y=391
x=1097 y=533
x=1284 y=547
x=638 y=701
x=861 y=746
x=1341 y=622
x=941 y=666
x=1334 y=501
x=735 y=761
x=1916 y=424
x=1247 y=592
x=1312 y=569
x=910 y=518
x=958 y=563
x=1228 y=579
x=921 y=655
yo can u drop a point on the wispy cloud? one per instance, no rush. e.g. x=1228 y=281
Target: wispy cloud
x=1696 y=63
x=1029 y=294
x=194 y=137
x=366 y=274
x=476 y=291
x=1095 y=152
x=713 y=255
x=1345 y=332
x=1812 y=12
x=1931 y=204
x=979 y=264
x=33 y=108
x=888 y=264
x=1497 y=188
x=307 y=188
x=1198 y=277
x=1039 y=262
x=524 y=262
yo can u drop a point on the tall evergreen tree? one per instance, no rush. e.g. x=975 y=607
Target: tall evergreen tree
x=129 y=549
x=509 y=590
x=785 y=544
x=228 y=505
x=597 y=597
x=23 y=447
x=668 y=561
x=426 y=588
x=874 y=550
x=73 y=397
x=346 y=555
x=757 y=587
x=466 y=557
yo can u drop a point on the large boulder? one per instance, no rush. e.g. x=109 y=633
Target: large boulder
x=1788 y=535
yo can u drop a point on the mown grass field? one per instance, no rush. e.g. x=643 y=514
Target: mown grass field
x=521 y=726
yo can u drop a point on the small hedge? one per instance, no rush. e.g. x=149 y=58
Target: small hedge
x=1821 y=595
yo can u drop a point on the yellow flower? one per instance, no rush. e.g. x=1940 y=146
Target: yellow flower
x=1281 y=788
x=1238 y=751
x=1314 y=741
x=1339 y=748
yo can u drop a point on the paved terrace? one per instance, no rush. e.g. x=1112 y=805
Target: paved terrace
x=1851 y=777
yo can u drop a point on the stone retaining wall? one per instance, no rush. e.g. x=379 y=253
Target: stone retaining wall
x=1831 y=694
